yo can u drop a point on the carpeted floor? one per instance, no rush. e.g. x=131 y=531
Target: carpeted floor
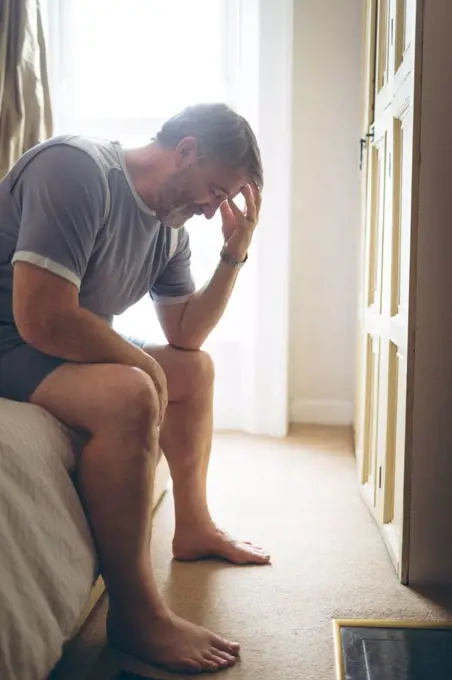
x=298 y=498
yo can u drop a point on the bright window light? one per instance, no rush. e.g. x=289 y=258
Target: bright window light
x=119 y=68
x=128 y=59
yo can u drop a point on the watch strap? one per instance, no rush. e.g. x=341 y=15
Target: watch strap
x=224 y=255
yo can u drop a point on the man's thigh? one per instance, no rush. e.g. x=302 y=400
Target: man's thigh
x=23 y=369
x=84 y=396
x=94 y=397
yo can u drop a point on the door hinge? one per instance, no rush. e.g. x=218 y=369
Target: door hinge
x=379 y=477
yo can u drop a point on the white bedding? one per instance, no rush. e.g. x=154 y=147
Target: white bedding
x=47 y=558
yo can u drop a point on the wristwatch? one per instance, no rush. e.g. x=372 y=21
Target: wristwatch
x=230 y=260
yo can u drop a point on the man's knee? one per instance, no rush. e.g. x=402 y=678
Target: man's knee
x=133 y=404
x=202 y=370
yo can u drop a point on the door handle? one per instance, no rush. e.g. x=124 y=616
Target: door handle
x=362 y=145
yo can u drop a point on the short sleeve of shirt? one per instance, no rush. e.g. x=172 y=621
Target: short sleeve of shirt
x=175 y=283
x=61 y=194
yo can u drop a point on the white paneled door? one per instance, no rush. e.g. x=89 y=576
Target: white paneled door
x=386 y=153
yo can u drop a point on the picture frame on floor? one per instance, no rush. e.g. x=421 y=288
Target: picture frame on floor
x=376 y=649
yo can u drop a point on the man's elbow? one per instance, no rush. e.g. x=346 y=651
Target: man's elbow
x=35 y=335
x=185 y=342
x=186 y=346
x=38 y=332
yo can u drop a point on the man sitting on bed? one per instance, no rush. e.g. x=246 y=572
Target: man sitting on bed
x=86 y=229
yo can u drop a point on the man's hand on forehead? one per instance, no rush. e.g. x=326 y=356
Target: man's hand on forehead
x=241 y=190
x=239 y=225
x=253 y=189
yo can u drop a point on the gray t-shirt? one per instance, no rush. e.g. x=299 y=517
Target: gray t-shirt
x=69 y=206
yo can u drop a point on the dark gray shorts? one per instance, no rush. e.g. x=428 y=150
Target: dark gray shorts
x=23 y=368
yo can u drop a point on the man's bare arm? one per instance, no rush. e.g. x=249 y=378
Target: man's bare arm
x=188 y=325
x=48 y=317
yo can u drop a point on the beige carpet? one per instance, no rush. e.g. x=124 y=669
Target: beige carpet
x=299 y=498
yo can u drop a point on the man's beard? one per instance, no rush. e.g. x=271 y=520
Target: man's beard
x=175 y=202
x=176 y=218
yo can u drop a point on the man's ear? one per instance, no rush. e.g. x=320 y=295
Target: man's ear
x=186 y=152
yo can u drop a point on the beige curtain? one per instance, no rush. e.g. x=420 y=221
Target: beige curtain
x=25 y=111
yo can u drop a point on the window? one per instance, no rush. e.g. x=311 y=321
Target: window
x=119 y=68
x=126 y=65
x=157 y=55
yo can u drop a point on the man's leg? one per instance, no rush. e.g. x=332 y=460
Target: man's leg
x=118 y=406
x=186 y=440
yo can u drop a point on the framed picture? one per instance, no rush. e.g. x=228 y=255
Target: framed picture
x=367 y=649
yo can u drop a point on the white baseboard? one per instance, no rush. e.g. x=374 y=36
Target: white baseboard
x=319 y=412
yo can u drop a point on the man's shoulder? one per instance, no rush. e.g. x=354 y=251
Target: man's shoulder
x=61 y=151
x=102 y=151
x=66 y=167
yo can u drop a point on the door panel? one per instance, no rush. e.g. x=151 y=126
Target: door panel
x=371 y=417
x=401 y=34
x=399 y=448
x=377 y=231
x=397 y=179
x=393 y=476
x=373 y=260
x=391 y=434
x=382 y=43
x=375 y=227
x=369 y=160
x=385 y=262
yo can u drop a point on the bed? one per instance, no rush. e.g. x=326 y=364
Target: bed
x=49 y=579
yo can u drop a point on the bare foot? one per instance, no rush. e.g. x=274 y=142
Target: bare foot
x=196 y=544
x=171 y=642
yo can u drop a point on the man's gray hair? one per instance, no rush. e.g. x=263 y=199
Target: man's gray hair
x=222 y=135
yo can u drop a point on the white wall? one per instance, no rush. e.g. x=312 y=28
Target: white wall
x=326 y=130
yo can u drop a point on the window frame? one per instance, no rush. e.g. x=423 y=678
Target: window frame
x=57 y=24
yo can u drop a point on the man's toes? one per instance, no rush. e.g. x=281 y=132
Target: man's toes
x=254 y=549
x=210 y=664
x=263 y=557
x=221 y=663
x=225 y=658
x=223 y=645
x=233 y=648
x=258 y=556
x=257 y=550
x=219 y=660
x=197 y=664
